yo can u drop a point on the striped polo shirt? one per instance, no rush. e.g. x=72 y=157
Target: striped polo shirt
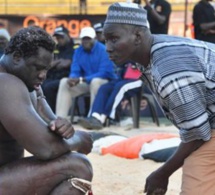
x=182 y=76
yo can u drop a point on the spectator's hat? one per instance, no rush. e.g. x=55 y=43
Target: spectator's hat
x=98 y=27
x=4 y=33
x=127 y=13
x=61 y=30
x=88 y=32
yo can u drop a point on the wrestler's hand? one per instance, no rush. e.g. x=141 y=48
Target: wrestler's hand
x=62 y=127
x=86 y=142
x=156 y=184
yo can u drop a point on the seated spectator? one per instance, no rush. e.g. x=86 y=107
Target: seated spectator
x=108 y=99
x=63 y=55
x=4 y=39
x=90 y=69
x=99 y=29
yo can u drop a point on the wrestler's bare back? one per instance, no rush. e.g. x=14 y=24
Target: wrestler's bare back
x=10 y=150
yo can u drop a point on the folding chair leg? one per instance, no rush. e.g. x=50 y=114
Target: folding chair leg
x=152 y=107
x=72 y=110
x=135 y=106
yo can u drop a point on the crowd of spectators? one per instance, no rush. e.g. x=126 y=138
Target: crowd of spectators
x=82 y=68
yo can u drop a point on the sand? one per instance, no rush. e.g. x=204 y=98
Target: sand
x=113 y=175
x=119 y=176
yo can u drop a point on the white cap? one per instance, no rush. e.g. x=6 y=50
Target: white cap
x=4 y=33
x=88 y=32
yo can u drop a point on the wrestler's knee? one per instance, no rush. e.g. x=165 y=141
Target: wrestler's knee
x=83 y=167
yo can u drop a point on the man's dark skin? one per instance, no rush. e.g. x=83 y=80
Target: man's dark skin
x=128 y=42
x=3 y=43
x=26 y=122
x=159 y=18
x=208 y=27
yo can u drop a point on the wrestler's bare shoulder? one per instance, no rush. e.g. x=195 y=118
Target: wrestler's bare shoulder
x=9 y=81
x=9 y=85
x=8 y=76
x=10 y=150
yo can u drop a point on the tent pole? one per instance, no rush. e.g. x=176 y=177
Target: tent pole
x=185 y=17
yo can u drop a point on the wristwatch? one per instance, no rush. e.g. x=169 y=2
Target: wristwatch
x=81 y=80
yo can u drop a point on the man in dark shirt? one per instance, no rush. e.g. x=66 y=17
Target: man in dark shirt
x=60 y=65
x=98 y=27
x=204 y=21
x=158 y=13
x=137 y=1
x=4 y=38
x=83 y=6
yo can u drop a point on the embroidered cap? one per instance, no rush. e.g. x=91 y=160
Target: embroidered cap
x=127 y=13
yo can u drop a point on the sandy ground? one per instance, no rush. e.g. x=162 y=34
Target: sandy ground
x=120 y=176
x=113 y=175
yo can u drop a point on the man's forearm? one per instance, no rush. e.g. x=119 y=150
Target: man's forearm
x=207 y=26
x=43 y=108
x=177 y=160
x=81 y=142
x=74 y=142
x=159 y=18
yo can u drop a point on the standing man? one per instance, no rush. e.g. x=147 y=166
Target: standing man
x=82 y=6
x=90 y=69
x=158 y=14
x=60 y=66
x=137 y=1
x=180 y=72
x=204 y=21
x=58 y=165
